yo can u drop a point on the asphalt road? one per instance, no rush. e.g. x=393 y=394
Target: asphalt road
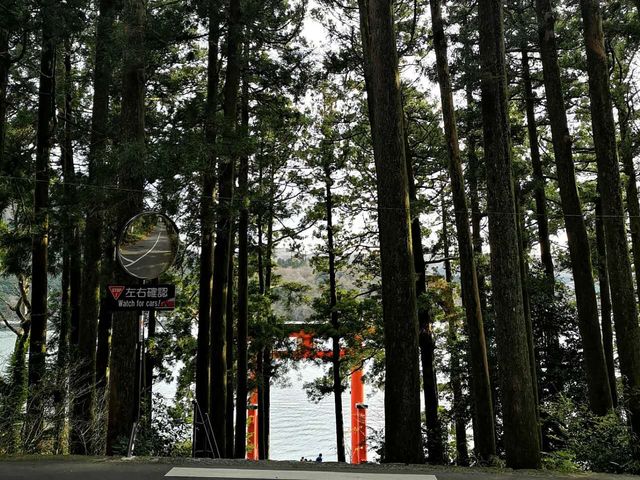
x=165 y=469
x=147 y=257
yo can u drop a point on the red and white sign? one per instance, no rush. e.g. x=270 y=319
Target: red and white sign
x=116 y=291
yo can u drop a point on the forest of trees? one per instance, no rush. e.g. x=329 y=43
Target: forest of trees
x=459 y=176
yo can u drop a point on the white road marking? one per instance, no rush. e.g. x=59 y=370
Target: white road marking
x=289 y=474
x=133 y=262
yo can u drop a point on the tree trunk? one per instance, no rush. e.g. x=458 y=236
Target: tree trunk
x=631 y=188
x=40 y=235
x=480 y=384
x=221 y=252
x=455 y=371
x=264 y=385
x=524 y=275
x=229 y=348
x=551 y=336
x=403 y=442
x=625 y=312
x=85 y=403
x=243 y=282
x=335 y=323
x=579 y=250
x=605 y=303
x=69 y=308
x=207 y=219
x=5 y=64
x=124 y=399
x=435 y=447
x=522 y=443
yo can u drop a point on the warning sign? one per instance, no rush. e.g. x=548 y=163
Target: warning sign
x=141 y=297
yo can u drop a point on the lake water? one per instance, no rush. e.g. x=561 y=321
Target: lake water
x=7 y=341
x=299 y=427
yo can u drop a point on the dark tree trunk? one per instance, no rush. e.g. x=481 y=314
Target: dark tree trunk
x=435 y=447
x=124 y=399
x=522 y=443
x=243 y=282
x=149 y=366
x=218 y=401
x=71 y=272
x=104 y=320
x=579 y=250
x=625 y=312
x=207 y=219
x=631 y=187
x=264 y=384
x=229 y=348
x=85 y=404
x=5 y=64
x=526 y=303
x=335 y=322
x=40 y=235
x=605 y=303
x=403 y=442
x=551 y=336
x=480 y=384
x=455 y=370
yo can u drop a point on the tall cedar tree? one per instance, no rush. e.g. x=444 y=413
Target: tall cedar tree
x=625 y=312
x=403 y=442
x=480 y=384
x=229 y=344
x=631 y=187
x=124 y=401
x=333 y=306
x=243 y=282
x=521 y=437
x=595 y=367
x=435 y=446
x=5 y=64
x=224 y=222
x=455 y=369
x=40 y=235
x=551 y=340
x=71 y=258
x=84 y=404
x=605 y=303
x=207 y=218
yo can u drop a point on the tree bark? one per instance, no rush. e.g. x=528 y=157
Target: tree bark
x=522 y=443
x=221 y=251
x=124 y=400
x=335 y=321
x=40 y=235
x=229 y=347
x=631 y=188
x=243 y=282
x=480 y=383
x=435 y=447
x=551 y=336
x=455 y=371
x=579 y=250
x=403 y=442
x=207 y=219
x=605 y=303
x=625 y=312
x=84 y=407
x=5 y=64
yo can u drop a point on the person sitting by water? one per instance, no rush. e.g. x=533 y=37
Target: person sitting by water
x=319 y=459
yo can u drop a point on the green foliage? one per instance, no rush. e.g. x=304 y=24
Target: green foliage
x=601 y=444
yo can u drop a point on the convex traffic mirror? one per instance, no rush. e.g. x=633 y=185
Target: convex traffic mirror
x=148 y=245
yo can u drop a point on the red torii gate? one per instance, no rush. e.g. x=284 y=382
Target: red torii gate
x=358 y=407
